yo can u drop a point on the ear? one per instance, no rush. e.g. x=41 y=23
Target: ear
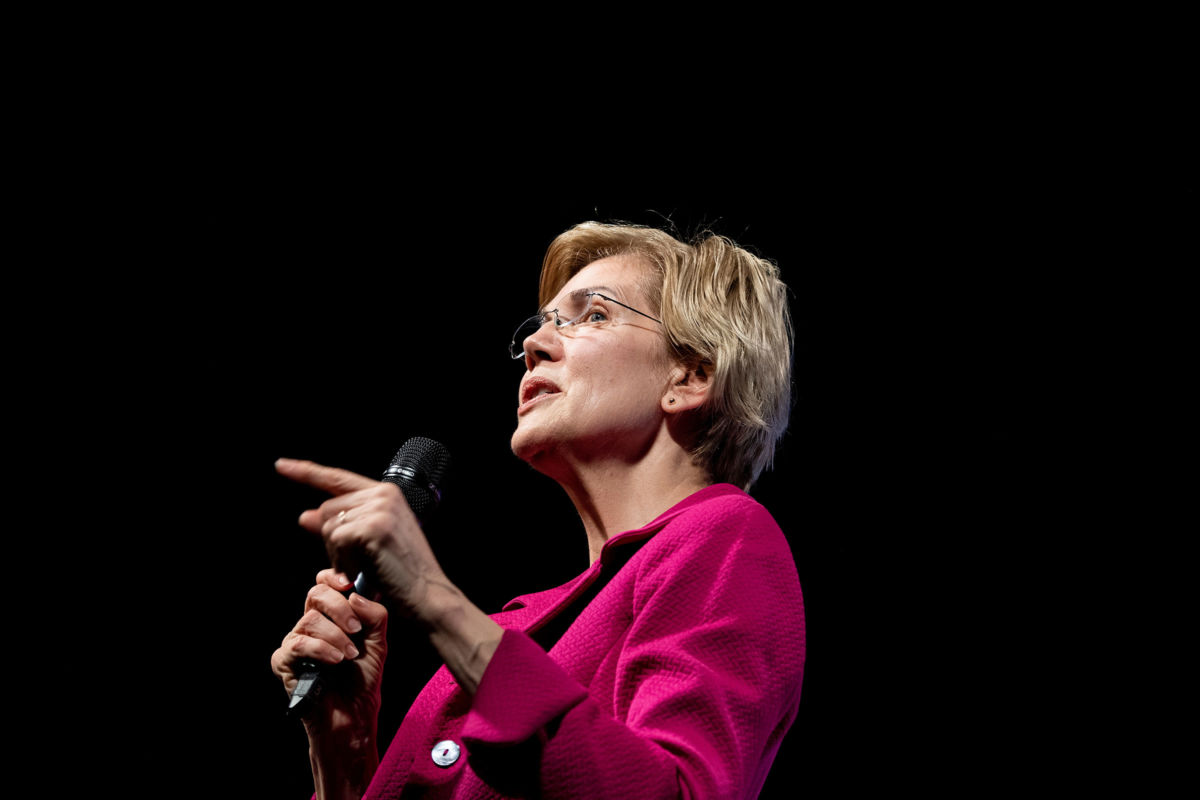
x=688 y=388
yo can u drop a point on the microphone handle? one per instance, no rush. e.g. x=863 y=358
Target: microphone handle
x=310 y=683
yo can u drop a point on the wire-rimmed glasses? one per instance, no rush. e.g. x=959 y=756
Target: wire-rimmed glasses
x=581 y=308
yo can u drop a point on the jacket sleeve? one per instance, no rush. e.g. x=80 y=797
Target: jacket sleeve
x=709 y=677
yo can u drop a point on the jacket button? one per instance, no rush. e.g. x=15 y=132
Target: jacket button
x=446 y=753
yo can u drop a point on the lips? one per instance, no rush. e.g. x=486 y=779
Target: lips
x=534 y=389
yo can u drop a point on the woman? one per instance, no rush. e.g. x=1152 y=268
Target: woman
x=657 y=384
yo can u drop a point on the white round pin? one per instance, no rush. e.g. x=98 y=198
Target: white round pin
x=446 y=753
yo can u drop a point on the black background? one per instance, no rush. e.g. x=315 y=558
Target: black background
x=344 y=323
x=323 y=280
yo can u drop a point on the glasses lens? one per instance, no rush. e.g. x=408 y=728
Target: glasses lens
x=527 y=329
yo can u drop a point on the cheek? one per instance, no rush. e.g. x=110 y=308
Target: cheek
x=622 y=388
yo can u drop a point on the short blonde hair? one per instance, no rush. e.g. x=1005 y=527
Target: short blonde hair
x=722 y=308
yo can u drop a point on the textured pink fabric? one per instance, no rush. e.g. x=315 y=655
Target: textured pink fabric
x=679 y=679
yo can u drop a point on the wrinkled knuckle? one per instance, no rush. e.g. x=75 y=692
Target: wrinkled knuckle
x=341 y=538
x=289 y=651
x=318 y=597
x=389 y=493
x=309 y=621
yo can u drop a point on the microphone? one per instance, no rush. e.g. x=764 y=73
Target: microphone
x=418 y=468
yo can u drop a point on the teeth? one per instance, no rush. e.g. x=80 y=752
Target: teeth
x=538 y=392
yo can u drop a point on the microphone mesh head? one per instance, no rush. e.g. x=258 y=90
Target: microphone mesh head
x=418 y=468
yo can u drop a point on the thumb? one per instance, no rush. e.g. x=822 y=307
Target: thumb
x=373 y=617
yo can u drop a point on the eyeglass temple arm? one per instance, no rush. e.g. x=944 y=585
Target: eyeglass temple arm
x=622 y=305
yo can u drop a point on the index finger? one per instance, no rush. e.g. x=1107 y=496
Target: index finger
x=330 y=479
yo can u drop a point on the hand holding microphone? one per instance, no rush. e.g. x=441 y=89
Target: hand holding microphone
x=370 y=529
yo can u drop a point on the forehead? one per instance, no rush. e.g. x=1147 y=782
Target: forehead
x=618 y=276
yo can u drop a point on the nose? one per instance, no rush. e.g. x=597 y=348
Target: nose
x=544 y=344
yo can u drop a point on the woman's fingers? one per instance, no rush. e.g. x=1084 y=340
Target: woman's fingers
x=330 y=479
x=351 y=613
x=357 y=528
x=331 y=618
x=316 y=625
x=368 y=526
x=338 y=580
x=301 y=642
x=373 y=616
x=333 y=606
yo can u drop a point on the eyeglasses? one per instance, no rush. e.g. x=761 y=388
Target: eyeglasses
x=578 y=310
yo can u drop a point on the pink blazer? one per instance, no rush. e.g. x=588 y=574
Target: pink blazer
x=678 y=678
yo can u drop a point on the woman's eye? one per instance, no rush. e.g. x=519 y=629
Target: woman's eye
x=597 y=316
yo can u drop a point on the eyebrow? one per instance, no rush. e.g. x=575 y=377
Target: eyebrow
x=579 y=294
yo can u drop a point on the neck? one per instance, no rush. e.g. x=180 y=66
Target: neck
x=612 y=495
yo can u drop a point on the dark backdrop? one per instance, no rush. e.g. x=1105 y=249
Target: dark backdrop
x=330 y=311
x=251 y=241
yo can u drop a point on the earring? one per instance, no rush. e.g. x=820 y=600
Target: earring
x=672 y=400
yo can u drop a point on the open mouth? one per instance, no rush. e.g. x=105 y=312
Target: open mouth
x=535 y=390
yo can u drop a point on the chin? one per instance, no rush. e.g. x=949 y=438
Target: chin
x=525 y=445
x=534 y=447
